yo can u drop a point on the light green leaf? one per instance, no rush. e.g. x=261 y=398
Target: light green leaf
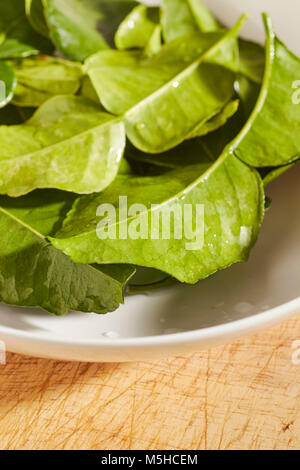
x=216 y=122
x=164 y=98
x=80 y=28
x=88 y=91
x=233 y=200
x=137 y=28
x=8 y=84
x=154 y=44
x=181 y=17
x=68 y=144
x=197 y=150
x=252 y=60
x=34 y=274
x=272 y=136
x=41 y=78
x=11 y=48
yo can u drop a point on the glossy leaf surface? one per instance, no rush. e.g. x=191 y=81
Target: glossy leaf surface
x=68 y=144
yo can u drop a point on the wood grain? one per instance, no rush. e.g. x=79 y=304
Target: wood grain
x=241 y=396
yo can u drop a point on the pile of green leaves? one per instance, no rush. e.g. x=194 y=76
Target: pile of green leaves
x=108 y=98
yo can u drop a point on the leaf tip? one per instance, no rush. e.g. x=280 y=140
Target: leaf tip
x=268 y=23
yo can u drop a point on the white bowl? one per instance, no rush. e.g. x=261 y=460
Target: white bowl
x=235 y=302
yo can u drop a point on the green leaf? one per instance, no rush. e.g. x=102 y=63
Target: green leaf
x=272 y=136
x=80 y=28
x=9 y=115
x=146 y=279
x=196 y=150
x=88 y=91
x=36 y=16
x=252 y=60
x=12 y=115
x=137 y=28
x=251 y=73
x=41 y=78
x=154 y=44
x=168 y=281
x=14 y=25
x=190 y=152
x=125 y=168
x=248 y=93
x=204 y=149
x=8 y=84
x=68 y=144
x=164 y=98
x=273 y=174
x=34 y=274
x=181 y=17
x=233 y=199
x=216 y=122
x=11 y=48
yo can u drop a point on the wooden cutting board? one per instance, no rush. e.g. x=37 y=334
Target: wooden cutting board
x=245 y=395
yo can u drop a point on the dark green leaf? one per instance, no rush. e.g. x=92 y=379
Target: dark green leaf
x=190 y=152
x=80 y=28
x=10 y=115
x=14 y=25
x=36 y=16
x=34 y=274
x=8 y=83
x=146 y=279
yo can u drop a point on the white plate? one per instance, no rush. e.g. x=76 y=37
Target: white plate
x=235 y=302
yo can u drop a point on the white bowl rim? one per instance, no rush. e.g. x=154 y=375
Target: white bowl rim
x=238 y=327
x=220 y=332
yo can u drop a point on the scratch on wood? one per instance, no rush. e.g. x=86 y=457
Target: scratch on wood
x=240 y=396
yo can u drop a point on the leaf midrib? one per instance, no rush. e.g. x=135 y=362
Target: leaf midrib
x=193 y=66
x=22 y=223
x=52 y=146
x=270 y=57
x=230 y=34
x=183 y=192
x=42 y=237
